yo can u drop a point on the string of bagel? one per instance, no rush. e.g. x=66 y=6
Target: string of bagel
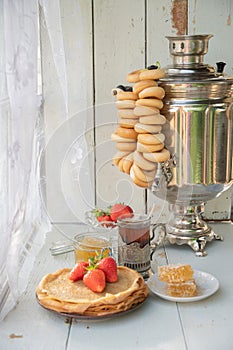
x=138 y=137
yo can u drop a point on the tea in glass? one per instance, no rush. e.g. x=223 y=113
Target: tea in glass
x=134 y=242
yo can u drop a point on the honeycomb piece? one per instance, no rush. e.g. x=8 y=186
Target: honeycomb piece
x=184 y=289
x=175 y=273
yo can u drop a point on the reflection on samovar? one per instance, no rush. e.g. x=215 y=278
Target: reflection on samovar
x=199 y=136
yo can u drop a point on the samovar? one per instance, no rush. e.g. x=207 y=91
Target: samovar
x=199 y=135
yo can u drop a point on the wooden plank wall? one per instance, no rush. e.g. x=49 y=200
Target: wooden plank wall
x=118 y=37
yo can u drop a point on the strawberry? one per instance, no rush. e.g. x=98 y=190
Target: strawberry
x=119 y=209
x=94 y=279
x=78 y=271
x=109 y=267
x=103 y=216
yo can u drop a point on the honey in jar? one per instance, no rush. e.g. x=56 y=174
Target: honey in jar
x=88 y=245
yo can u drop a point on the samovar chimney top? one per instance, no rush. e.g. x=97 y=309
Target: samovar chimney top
x=188 y=50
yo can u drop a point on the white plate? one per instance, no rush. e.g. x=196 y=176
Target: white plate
x=206 y=286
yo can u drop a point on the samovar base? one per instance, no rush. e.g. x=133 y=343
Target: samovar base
x=187 y=227
x=196 y=243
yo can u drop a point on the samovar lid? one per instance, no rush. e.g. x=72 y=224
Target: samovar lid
x=188 y=78
x=187 y=52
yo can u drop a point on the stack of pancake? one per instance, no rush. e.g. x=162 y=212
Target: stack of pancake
x=58 y=293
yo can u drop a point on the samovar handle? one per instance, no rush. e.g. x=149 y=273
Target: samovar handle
x=158 y=237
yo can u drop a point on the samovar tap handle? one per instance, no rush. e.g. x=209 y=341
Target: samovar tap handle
x=167 y=168
x=158 y=237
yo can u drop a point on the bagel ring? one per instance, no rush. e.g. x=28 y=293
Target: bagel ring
x=129 y=133
x=127 y=163
x=125 y=104
x=151 y=139
x=127 y=123
x=150 y=102
x=143 y=84
x=143 y=163
x=144 y=110
x=127 y=95
x=147 y=128
x=118 y=156
x=155 y=119
x=144 y=175
x=148 y=148
x=126 y=146
x=127 y=113
x=153 y=74
x=155 y=91
x=158 y=157
x=120 y=164
x=117 y=138
x=133 y=77
x=139 y=182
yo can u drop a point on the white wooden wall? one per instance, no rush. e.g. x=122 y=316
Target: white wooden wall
x=119 y=37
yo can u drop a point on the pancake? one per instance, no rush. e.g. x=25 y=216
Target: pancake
x=56 y=292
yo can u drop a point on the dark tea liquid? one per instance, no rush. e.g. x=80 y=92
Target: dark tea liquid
x=140 y=235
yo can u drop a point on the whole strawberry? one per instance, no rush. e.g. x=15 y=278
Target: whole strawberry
x=109 y=267
x=119 y=209
x=103 y=216
x=104 y=219
x=78 y=271
x=94 y=279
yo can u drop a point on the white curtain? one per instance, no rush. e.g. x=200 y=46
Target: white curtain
x=66 y=92
x=24 y=220
x=22 y=225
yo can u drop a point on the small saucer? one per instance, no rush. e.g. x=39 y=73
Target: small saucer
x=207 y=285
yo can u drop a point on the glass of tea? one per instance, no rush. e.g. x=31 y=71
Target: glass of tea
x=134 y=249
x=89 y=244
